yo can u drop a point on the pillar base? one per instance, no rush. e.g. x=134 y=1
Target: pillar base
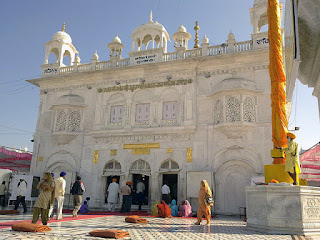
x=283 y=209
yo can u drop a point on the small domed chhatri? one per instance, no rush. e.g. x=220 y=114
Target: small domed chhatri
x=61 y=46
x=150 y=32
x=181 y=37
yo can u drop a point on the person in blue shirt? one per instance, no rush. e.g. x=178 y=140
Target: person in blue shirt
x=84 y=207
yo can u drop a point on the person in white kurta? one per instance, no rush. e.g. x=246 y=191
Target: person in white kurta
x=60 y=188
x=113 y=194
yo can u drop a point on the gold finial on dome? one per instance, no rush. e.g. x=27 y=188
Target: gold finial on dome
x=196 y=40
x=150 y=18
x=63 y=27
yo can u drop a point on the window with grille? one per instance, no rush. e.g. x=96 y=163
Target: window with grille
x=170 y=110
x=116 y=114
x=142 y=112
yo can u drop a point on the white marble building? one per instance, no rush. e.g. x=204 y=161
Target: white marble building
x=183 y=116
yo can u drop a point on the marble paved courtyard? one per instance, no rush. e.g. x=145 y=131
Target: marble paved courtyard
x=157 y=228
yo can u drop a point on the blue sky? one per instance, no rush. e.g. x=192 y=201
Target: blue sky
x=27 y=25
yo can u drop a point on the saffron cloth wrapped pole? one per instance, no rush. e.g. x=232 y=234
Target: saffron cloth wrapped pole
x=278 y=97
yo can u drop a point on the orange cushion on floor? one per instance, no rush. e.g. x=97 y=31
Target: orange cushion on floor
x=109 y=233
x=135 y=219
x=30 y=227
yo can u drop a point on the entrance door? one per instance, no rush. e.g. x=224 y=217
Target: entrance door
x=109 y=180
x=136 y=178
x=172 y=181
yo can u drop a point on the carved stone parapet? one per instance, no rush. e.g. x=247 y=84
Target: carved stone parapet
x=291 y=210
x=64 y=137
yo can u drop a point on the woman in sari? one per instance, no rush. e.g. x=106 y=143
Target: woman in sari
x=46 y=197
x=174 y=208
x=164 y=210
x=204 y=208
x=154 y=209
x=185 y=209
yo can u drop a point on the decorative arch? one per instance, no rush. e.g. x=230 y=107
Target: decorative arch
x=68 y=55
x=170 y=94
x=140 y=166
x=169 y=165
x=54 y=52
x=231 y=179
x=117 y=98
x=142 y=96
x=113 y=167
x=238 y=153
x=63 y=158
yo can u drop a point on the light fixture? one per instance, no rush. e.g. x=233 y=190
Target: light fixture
x=45 y=92
x=142 y=80
x=207 y=75
x=89 y=87
x=169 y=77
x=117 y=82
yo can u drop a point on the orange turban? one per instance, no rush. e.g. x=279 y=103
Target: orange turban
x=291 y=135
x=114 y=179
x=128 y=183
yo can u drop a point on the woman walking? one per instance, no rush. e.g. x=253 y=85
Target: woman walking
x=205 y=202
x=46 y=197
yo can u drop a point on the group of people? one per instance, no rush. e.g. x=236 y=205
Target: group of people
x=127 y=195
x=205 y=202
x=51 y=191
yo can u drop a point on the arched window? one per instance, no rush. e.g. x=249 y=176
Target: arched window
x=140 y=167
x=168 y=165
x=218 y=112
x=249 y=110
x=233 y=110
x=112 y=166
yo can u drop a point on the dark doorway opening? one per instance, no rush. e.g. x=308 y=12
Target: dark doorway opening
x=172 y=181
x=109 y=180
x=136 y=178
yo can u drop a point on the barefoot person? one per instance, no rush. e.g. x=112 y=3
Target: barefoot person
x=60 y=188
x=46 y=197
x=204 y=203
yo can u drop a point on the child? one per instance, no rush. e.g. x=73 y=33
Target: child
x=84 y=207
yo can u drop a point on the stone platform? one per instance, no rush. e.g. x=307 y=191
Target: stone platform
x=284 y=209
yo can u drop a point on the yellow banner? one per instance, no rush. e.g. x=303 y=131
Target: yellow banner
x=189 y=154
x=141 y=145
x=95 y=156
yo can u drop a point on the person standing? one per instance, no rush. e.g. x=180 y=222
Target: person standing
x=46 y=197
x=21 y=197
x=126 y=198
x=60 y=188
x=292 y=162
x=204 y=204
x=165 y=190
x=77 y=191
x=140 y=193
x=3 y=190
x=113 y=194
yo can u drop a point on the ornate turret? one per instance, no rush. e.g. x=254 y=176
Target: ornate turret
x=115 y=48
x=61 y=46
x=181 y=37
x=150 y=32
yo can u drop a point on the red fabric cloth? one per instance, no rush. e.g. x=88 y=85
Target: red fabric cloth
x=164 y=210
x=310 y=164
x=109 y=233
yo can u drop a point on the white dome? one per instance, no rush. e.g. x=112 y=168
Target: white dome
x=62 y=36
x=95 y=56
x=205 y=40
x=182 y=28
x=116 y=39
